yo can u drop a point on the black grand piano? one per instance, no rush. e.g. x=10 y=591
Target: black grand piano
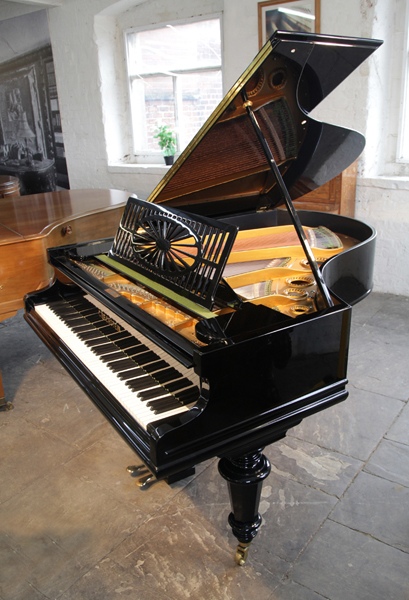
x=219 y=317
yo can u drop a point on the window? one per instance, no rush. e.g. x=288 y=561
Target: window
x=175 y=79
x=403 y=136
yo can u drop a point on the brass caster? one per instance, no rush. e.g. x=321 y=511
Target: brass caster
x=242 y=552
x=6 y=406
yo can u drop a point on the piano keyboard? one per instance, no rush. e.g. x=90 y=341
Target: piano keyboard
x=146 y=381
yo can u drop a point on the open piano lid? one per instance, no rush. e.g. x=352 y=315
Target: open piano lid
x=224 y=169
x=258 y=149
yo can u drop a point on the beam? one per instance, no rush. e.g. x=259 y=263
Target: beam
x=37 y=3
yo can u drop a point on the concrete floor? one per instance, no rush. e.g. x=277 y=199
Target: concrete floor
x=73 y=524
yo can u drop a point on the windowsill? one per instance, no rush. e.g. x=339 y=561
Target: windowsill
x=138 y=168
x=389 y=182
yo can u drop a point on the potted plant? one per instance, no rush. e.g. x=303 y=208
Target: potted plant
x=167 y=142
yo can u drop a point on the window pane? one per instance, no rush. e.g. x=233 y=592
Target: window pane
x=175 y=47
x=200 y=94
x=153 y=102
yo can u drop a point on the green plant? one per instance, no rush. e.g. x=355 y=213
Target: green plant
x=166 y=139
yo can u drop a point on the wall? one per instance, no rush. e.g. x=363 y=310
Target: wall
x=23 y=34
x=87 y=46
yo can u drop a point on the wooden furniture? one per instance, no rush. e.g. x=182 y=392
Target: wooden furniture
x=31 y=224
x=9 y=186
x=337 y=196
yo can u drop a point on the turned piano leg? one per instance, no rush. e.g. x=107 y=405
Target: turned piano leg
x=245 y=476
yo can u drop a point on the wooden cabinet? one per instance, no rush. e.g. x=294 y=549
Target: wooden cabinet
x=337 y=196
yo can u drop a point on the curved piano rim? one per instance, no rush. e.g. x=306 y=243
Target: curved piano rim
x=349 y=275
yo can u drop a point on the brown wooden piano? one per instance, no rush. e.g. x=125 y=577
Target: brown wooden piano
x=31 y=224
x=219 y=316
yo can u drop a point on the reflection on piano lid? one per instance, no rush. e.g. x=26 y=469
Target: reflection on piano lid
x=214 y=322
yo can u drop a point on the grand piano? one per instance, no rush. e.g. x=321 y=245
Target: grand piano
x=219 y=316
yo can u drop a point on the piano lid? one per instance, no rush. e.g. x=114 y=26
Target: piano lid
x=224 y=169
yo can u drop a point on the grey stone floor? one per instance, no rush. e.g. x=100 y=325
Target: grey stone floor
x=73 y=524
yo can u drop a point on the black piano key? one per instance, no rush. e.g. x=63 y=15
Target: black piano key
x=98 y=324
x=76 y=323
x=112 y=357
x=103 y=338
x=165 y=407
x=153 y=394
x=158 y=365
x=134 y=352
x=178 y=385
x=107 y=330
x=68 y=313
x=89 y=334
x=81 y=328
x=68 y=318
x=141 y=383
x=92 y=340
x=168 y=374
x=161 y=408
x=145 y=358
x=161 y=401
x=74 y=320
x=131 y=373
x=128 y=342
x=83 y=307
x=96 y=341
x=79 y=301
x=102 y=349
x=149 y=394
x=59 y=303
x=188 y=395
x=140 y=349
x=119 y=365
x=94 y=318
x=119 y=335
x=65 y=311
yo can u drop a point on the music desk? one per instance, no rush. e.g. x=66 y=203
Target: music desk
x=31 y=224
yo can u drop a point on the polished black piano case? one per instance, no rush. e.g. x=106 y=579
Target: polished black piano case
x=207 y=340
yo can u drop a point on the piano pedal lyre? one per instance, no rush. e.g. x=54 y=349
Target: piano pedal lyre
x=145 y=477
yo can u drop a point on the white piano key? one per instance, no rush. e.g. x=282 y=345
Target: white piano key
x=172 y=362
x=118 y=388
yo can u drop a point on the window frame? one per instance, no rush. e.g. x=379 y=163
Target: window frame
x=141 y=155
x=402 y=151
